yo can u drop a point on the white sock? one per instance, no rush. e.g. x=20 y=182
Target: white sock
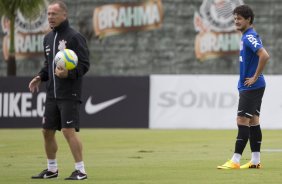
x=236 y=158
x=80 y=166
x=52 y=165
x=255 y=158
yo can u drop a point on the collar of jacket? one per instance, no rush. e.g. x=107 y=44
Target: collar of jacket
x=62 y=26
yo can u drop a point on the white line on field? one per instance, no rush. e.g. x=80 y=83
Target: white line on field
x=271 y=150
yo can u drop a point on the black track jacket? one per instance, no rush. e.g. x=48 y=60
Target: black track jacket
x=70 y=87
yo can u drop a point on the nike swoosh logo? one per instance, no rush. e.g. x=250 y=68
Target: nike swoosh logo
x=81 y=177
x=69 y=122
x=46 y=176
x=94 y=108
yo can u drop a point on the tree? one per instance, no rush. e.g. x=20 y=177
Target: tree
x=9 y=8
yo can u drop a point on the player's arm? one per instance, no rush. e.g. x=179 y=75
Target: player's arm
x=44 y=74
x=79 y=46
x=41 y=76
x=34 y=84
x=263 y=58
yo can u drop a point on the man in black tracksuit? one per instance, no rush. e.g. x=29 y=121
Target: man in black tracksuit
x=69 y=87
x=63 y=91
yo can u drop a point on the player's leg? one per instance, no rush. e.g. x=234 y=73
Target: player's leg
x=255 y=131
x=74 y=143
x=255 y=139
x=249 y=103
x=255 y=143
x=50 y=125
x=70 y=125
x=243 y=119
x=76 y=149
x=242 y=137
x=51 y=149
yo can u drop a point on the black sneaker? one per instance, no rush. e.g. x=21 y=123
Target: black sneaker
x=45 y=174
x=77 y=175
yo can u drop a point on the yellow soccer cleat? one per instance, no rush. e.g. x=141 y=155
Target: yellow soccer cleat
x=250 y=165
x=229 y=165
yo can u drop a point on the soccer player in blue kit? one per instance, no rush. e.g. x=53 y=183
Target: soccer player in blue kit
x=251 y=85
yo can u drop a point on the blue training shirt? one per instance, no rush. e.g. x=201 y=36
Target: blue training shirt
x=250 y=44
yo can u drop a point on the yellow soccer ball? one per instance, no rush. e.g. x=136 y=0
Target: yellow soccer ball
x=66 y=59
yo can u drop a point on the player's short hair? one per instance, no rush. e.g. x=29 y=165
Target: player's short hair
x=61 y=4
x=245 y=11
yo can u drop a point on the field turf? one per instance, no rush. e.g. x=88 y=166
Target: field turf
x=140 y=156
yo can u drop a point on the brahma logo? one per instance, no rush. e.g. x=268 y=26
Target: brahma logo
x=28 y=35
x=217 y=35
x=124 y=17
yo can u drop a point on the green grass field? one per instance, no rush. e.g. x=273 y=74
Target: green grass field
x=139 y=156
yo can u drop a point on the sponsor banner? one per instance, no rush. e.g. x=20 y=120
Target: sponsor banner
x=29 y=35
x=213 y=45
x=18 y=107
x=217 y=35
x=124 y=17
x=118 y=102
x=108 y=102
x=206 y=102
